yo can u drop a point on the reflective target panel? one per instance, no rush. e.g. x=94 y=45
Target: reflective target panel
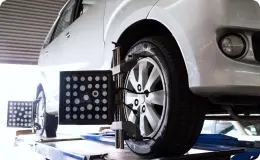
x=86 y=97
x=19 y=114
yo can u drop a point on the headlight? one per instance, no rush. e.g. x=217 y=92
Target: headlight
x=233 y=45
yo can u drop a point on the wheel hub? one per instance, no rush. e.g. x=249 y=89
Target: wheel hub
x=146 y=77
x=141 y=99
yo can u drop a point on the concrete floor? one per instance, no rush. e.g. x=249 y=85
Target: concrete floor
x=7 y=149
x=7 y=139
x=14 y=153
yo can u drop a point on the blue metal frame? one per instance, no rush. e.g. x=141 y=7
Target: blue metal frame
x=49 y=150
x=216 y=142
x=206 y=142
x=209 y=142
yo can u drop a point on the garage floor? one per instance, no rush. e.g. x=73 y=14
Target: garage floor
x=12 y=153
x=7 y=149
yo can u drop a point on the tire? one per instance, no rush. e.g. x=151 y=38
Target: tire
x=183 y=115
x=49 y=123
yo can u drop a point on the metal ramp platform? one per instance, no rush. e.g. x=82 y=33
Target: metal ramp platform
x=100 y=147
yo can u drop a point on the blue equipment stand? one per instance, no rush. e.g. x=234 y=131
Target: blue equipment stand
x=98 y=147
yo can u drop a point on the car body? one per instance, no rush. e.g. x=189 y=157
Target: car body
x=196 y=26
x=198 y=50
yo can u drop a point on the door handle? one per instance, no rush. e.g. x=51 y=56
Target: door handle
x=68 y=34
x=46 y=53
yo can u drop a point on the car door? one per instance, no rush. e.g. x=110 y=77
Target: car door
x=76 y=43
x=55 y=40
x=83 y=49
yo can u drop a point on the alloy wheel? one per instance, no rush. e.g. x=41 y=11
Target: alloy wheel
x=146 y=77
x=40 y=111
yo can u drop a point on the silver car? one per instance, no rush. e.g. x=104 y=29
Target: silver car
x=203 y=55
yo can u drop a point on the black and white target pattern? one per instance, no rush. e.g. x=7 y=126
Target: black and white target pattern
x=19 y=114
x=85 y=97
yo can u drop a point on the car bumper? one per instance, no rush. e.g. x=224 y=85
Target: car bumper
x=197 y=26
x=221 y=75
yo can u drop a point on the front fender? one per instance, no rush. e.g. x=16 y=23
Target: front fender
x=119 y=18
x=168 y=20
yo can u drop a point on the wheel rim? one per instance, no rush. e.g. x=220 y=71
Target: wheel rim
x=146 y=76
x=40 y=111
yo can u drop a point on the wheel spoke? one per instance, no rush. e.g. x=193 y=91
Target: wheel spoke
x=42 y=122
x=130 y=98
x=143 y=74
x=153 y=78
x=156 y=97
x=42 y=108
x=132 y=117
x=151 y=115
x=133 y=80
x=143 y=126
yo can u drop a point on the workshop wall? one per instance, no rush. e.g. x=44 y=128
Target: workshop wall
x=17 y=83
x=23 y=28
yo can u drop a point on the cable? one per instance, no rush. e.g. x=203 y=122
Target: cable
x=146 y=92
x=134 y=111
x=129 y=90
x=149 y=138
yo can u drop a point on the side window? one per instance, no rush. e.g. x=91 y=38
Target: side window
x=82 y=8
x=85 y=6
x=66 y=19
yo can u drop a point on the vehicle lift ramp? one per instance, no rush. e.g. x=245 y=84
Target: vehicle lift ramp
x=96 y=98
x=101 y=147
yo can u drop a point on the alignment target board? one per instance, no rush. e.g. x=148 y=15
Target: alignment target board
x=19 y=114
x=86 y=97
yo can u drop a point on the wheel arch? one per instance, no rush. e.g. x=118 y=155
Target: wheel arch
x=142 y=29
x=39 y=87
x=122 y=27
x=181 y=35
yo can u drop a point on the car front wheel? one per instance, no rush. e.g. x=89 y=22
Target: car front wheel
x=169 y=116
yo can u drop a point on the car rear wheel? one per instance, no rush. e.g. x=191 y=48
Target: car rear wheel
x=170 y=117
x=45 y=124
